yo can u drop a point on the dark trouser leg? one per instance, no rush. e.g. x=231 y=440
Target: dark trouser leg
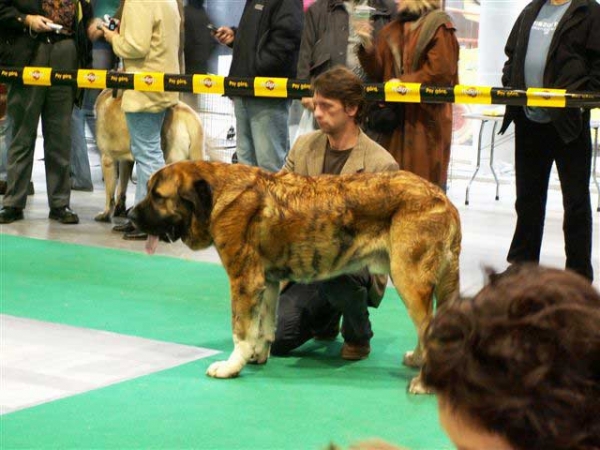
x=56 y=127
x=573 y=163
x=298 y=305
x=533 y=161
x=24 y=107
x=348 y=294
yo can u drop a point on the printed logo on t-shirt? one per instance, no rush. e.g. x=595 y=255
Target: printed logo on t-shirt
x=545 y=26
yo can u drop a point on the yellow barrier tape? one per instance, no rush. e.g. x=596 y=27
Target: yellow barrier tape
x=480 y=95
x=94 y=79
x=402 y=92
x=546 y=97
x=37 y=76
x=149 y=81
x=270 y=87
x=208 y=84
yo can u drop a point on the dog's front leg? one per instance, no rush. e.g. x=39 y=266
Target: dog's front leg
x=253 y=319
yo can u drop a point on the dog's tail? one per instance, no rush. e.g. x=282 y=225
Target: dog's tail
x=448 y=283
x=196 y=132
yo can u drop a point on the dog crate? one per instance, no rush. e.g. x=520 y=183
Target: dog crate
x=216 y=113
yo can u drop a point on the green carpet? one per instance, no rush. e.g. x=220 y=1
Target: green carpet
x=301 y=402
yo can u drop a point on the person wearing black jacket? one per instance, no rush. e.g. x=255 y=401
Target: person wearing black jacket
x=28 y=36
x=265 y=44
x=553 y=44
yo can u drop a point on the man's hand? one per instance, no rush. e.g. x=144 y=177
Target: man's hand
x=308 y=103
x=108 y=33
x=94 y=29
x=37 y=23
x=364 y=31
x=224 y=35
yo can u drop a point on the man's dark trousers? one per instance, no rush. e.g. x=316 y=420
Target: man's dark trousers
x=54 y=104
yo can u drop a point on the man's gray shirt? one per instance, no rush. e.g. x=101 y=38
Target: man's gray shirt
x=540 y=38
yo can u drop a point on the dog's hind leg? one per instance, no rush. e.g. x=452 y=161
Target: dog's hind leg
x=125 y=170
x=414 y=267
x=109 y=174
x=253 y=301
x=448 y=284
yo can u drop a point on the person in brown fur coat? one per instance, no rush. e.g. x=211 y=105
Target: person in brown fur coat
x=420 y=46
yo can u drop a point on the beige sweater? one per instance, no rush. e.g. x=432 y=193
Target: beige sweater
x=149 y=42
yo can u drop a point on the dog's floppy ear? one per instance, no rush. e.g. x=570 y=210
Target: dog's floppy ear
x=200 y=195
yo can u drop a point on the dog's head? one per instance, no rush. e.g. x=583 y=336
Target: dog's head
x=178 y=206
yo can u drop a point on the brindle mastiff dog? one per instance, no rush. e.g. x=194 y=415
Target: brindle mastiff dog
x=268 y=228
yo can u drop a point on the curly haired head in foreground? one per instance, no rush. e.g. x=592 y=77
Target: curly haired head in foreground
x=520 y=362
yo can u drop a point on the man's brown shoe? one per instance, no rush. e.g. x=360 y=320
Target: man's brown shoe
x=355 y=352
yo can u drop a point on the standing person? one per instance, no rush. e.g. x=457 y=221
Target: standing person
x=148 y=41
x=29 y=37
x=553 y=44
x=340 y=147
x=199 y=44
x=517 y=367
x=329 y=39
x=5 y=136
x=420 y=46
x=102 y=58
x=265 y=44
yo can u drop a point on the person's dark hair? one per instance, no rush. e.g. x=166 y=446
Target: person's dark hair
x=522 y=358
x=340 y=83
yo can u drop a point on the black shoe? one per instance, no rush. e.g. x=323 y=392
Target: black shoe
x=30 y=190
x=8 y=214
x=64 y=215
x=125 y=227
x=135 y=235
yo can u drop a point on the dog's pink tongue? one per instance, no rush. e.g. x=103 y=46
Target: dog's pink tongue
x=151 y=244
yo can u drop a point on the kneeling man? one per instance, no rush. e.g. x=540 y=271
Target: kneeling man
x=307 y=311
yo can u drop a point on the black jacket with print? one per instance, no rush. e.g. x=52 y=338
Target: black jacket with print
x=267 y=39
x=573 y=61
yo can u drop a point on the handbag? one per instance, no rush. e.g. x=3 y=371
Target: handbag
x=385 y=117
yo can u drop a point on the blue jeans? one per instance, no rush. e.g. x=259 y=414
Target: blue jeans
x=144 y=131
x=5 y=140
x=262 y=131
x=81 y=175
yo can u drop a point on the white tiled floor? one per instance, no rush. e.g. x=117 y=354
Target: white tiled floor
x=44 y=361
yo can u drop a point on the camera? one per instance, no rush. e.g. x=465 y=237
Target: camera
x=110 y=22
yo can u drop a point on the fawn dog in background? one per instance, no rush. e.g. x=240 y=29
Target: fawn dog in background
x=182 y=138
x=272 y=227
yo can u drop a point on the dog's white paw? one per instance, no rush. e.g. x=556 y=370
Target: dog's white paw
x=223 y=369
x=417 y=387
x=412 y=359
